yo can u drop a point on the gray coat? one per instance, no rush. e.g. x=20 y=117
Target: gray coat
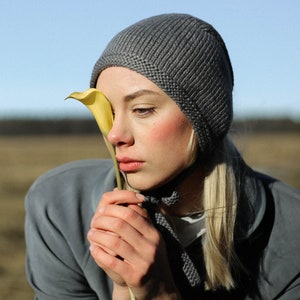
x=61 y=203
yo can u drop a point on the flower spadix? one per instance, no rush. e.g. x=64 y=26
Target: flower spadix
x=100 y=107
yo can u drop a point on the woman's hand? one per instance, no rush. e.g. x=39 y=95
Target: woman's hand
x=126 y=245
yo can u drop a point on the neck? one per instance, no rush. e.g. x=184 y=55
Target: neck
x=190 y=195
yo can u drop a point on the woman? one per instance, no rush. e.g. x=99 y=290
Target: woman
x=193 y=220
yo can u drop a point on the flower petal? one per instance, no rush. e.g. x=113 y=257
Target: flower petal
x=100 y=107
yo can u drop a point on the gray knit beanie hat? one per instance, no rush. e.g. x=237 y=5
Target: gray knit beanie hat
x=188 y=60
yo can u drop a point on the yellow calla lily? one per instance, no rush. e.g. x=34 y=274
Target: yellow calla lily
x=100 y=107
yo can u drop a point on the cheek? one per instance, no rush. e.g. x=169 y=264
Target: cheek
x=160 y=132
x=172 y=132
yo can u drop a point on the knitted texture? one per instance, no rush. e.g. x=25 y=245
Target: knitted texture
x=188 y=60
x=185 y=273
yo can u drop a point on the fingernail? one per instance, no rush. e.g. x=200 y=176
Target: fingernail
x=140 y=197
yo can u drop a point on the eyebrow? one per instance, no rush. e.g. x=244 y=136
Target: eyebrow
x=140 y=93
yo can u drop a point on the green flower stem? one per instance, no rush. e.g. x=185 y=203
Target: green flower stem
x=114 y=159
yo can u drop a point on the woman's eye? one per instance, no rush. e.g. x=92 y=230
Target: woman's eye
x=144 y=111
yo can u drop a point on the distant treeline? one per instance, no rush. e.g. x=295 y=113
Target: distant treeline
x=89 y=126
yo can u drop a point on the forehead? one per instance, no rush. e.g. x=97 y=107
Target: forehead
x=121 y=76
x=120 y=82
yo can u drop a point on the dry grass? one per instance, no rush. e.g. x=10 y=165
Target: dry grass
x=23 y=159
x=275 y=154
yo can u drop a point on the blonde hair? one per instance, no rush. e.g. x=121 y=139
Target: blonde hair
x=219 y=202
x=220 y=206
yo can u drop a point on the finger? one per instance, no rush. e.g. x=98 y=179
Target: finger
x=120 y=229
x=109 y=263
x=130 y=226
x=91 y=238
x=140 y=210
x=112 y=244
x=121 y=197
x=127 y=241
x=133 y=215
x=120 y=249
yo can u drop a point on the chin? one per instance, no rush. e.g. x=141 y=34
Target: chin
x=141 y=187
x=142 y=184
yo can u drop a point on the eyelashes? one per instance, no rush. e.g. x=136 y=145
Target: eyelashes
x=140 y=112
x=144 y=111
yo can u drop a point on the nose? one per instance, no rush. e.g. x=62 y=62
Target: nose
x=120 y=134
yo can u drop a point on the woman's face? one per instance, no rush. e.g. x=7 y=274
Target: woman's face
x=150 y=133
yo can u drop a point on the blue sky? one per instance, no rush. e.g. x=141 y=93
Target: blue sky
x=48 y=49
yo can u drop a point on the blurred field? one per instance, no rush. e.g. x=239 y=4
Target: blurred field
x=24 y=158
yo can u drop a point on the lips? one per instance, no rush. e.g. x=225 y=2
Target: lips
x=127 y=164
